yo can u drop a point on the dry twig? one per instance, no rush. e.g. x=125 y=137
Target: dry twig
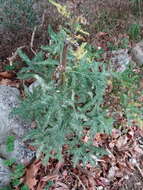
x=84 y=188
x=32 y=40
x=14 y=55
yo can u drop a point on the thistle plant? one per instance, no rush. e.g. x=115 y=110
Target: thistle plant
x=66 y=104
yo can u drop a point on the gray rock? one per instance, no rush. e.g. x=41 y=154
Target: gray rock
x=137 y=53
x=12 y=125
x=8 y=123
x=119 y=60
x=5 y=174
x=21 y=154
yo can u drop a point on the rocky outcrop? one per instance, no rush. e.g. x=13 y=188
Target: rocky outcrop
x=5 y=174
x=137 y=53
x=119 y=60
x=11 y=125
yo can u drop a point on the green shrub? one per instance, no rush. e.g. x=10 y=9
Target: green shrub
x=18 y=172
x=134 y=31
x=126 y=86
x=68 y=109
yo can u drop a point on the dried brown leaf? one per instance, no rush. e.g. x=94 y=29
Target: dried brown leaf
x=8 y=82
x=112 y=172
x=31 y=172
x=49 y=178
x=121 y=142
x=6 y=74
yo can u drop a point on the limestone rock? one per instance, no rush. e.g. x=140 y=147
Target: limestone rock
x=12 y=125
x=8 y=123
x=5 y=174
x=21 y=154
x=119 y=60
x=137 y=53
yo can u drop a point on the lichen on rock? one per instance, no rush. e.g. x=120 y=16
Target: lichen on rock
x=12 y=125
